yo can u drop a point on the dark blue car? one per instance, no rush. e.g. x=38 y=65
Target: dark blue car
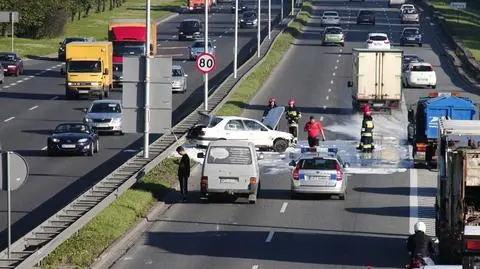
x=73 y=138
x=411 y=36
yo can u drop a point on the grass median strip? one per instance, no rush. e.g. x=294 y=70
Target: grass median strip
x=465 y=24
x=254 y=81
x=83 y=248
x=95 y=25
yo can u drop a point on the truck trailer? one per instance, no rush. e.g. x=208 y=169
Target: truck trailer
x=377 y=79
x=423 y=121
x=457 y=202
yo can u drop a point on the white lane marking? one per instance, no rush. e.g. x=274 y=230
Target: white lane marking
x=269 y=237
x=336 y=67
x=48 y=69
x=44 y=148
x=321 y=118
x=27 y=78
x=33 y=107
x=54 y=98
x=31 y=76
x=432 y=24
x=13 y=84
x=327 y=97
x=184 y=61
x=173 y=36
x=338 y=60
x=219 y=36
x=329 y=90
x=255 y=267
x=413 y=199
x=339 y=55
x=6 y=87
x=331 y=81
x=9 y=119
x=20 y=81
x=324 y=107
x=340 y=50
x=333 y=74
x=284 y=207
x=37 y=74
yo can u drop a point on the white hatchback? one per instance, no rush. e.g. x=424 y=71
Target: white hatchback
x=404 y=7
x=419 y=75
x=378 y=41
x=330 y=18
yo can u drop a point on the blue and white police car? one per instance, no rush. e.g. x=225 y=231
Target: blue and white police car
x=320 y=170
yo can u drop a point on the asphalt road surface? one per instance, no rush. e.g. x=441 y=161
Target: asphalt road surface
x=369 y=228
x=33 y=104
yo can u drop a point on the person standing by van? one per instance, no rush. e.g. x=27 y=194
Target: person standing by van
x=183 y=172
x=314 y=129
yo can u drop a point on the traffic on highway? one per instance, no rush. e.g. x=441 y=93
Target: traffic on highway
x=360 y=150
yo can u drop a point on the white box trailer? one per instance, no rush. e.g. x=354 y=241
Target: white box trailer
x=377 y=78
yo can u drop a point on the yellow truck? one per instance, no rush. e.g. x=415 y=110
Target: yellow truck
x=88 y=69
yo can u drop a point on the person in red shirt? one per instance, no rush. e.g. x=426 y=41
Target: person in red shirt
x=314 y=129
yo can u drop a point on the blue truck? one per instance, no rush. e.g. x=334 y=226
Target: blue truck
x=423 y=119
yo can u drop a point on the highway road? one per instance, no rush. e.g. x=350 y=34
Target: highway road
x=369 y=228
x=33 y=104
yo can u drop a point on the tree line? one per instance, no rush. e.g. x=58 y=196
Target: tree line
x=48 y=18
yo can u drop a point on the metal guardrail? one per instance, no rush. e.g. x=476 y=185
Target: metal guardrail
x=30 y=249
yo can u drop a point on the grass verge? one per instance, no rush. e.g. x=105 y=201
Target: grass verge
x=465 y=24
x=254 y=81
x=94 y=25
x=81 y=249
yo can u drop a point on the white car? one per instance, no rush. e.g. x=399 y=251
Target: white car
x=378 y=41
x=419 y=74
x=330 y=18
x=404 y=7
x=212 y=128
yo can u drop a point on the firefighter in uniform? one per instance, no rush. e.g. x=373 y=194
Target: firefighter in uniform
x=292 y=116
x=366 y=140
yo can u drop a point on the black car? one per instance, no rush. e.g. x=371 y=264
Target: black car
x=62 y=49
x=241 y=7
x=189 y=29
x=73 y=138
x=366 y=16
x=407 y=59
x=411 y=36
x=248 y=19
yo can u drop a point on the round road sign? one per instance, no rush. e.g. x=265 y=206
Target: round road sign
x=205 y=63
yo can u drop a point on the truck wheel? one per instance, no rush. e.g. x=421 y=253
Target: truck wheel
x=107 y=92
x=280 y=145
x=434 y=86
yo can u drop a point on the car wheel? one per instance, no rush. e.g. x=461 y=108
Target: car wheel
x=434 y=86
x=68 y=94
x=343 y=44
x=50 y=152
x=420 y=44
x=91 y=150
x=280 y=145
x=97 y=146
x=342 y=196
x=402 y=44
x=1 y=81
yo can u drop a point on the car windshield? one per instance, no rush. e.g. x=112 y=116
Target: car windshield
x=214 y=121
x=229 y=155
x=189 y=24
x=334 y=31
x=176 y=72
x=249 y=15
x=201 y=44
x=71 y=128
x=410 y=32
x=422 y=68
x=84 y=66
x=318 y=164
x=105 y=108
x=378 y=38
x=7 y=57
x=330 y=14
x=74 y=39
x=365 y=13
x=128 y=48
x=409 y=11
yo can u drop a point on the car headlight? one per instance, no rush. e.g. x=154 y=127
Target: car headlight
x=88 y=120
x=95 y=84
x=83 y=140
x=241 y=20
x=55 y=140
x=196 y=33
x=255 y=21
x=181 y=33
x=70 y=84
x=11 y=66
x=116 y=120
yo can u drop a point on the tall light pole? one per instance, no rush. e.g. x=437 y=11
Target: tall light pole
x=235 y=47
x=146 y=138
x=206 y=50
x=258 y=29
x=293 y=6
x=281 y=11
x=269 y=19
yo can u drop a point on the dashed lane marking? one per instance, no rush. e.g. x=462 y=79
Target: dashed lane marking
x=269 y=237
x=33 y=107
x=54 y=98
x=284 y=207
x=13 y=84
x=336 y=67
x=324 y=107
x=329 y=90
x=333 y=74
x=255 y=267
x=44 y=148
x=331 y=81
x=6 y=87
x=9 y=119
x=327 y=97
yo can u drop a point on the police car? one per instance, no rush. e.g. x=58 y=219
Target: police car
x=320 y=170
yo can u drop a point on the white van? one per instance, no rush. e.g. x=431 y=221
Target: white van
x=230 y=166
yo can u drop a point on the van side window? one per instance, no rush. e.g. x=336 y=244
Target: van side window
x=253 y=125
x=234 y=125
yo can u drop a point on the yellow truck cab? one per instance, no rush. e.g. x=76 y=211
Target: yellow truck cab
x=88 y=69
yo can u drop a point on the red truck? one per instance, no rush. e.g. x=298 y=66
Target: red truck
x=128 y=37
x=199 y=5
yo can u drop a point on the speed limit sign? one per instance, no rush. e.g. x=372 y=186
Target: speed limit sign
x=205 y=63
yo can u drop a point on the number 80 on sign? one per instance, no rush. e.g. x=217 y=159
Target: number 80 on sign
x=205 y=63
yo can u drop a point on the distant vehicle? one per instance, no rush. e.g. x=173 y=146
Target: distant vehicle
x=395 y=2
x=241 y=7
x=249 y=19
x=2 y=77
x=198 y=47
x=366 y=16
x=117 y=75
x=105 y=116
x=419 y=75
x=410 y=16
x=321 y=171
x=230 y=166
x=214 y=128
x=404 y=7
x=63 y=44
x=330 y=18
x=189 y=29
x=12 y=63
x=411 y=35
x=179 y=79
x=378 y=41
x=333 y=35
x=407 y=59
x=199 y=5
x=73 y=138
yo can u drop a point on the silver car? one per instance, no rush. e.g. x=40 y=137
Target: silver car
x=320 y=172
x=330 y=18
x=105 y=116
x=410 y=16
x=179 y=79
